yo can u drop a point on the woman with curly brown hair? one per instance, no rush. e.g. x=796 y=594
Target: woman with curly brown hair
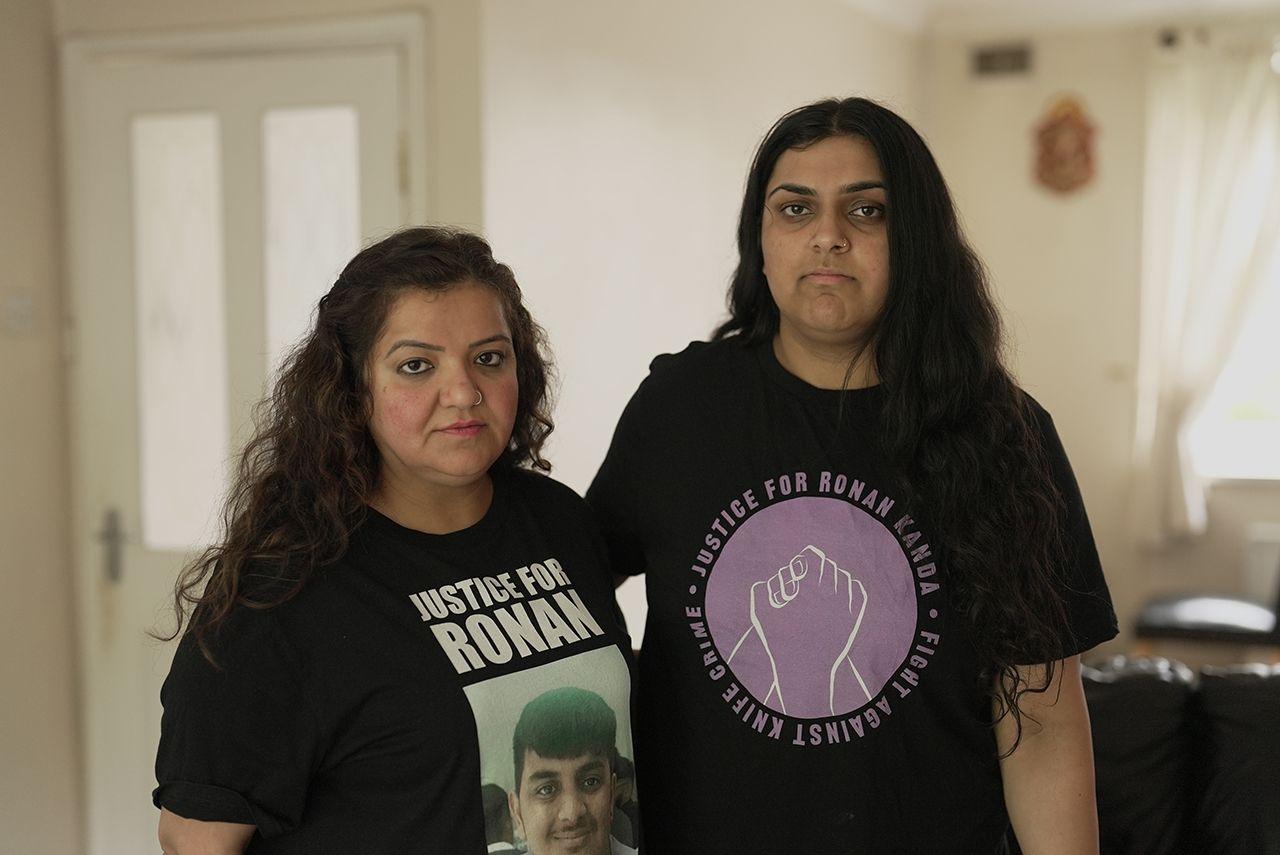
x=394 y=585
x=869 y=570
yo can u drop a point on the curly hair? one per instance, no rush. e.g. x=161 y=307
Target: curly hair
x=305 y=477
x=955 y=426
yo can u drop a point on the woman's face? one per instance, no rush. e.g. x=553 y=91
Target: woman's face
x=442 y=376
x=825 y=242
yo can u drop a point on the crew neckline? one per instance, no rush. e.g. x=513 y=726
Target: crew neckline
x=774 y=370
x=482 y=529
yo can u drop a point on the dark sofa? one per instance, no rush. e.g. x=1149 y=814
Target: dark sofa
x=1186 y=763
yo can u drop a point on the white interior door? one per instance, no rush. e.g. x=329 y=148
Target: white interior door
x=212 y=200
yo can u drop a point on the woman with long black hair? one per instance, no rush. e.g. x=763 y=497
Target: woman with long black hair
x=869 y=571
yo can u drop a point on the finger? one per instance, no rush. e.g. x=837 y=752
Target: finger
x=844 y=584
x=774 y=584
x=812 y=552
x=790 y=578
x=798 y=567
x=831 y=572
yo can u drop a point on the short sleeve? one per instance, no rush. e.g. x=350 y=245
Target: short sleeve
x=1090 y=615
x=613 y=494
x=238 y=742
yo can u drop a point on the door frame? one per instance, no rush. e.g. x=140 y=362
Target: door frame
x=406 y=33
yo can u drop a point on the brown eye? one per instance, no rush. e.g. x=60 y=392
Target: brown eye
x=414 y=366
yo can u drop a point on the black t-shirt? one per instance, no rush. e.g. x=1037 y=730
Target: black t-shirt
x=804 y=685
x=377 y=711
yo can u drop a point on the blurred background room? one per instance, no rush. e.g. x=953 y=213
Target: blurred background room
x=181 y=180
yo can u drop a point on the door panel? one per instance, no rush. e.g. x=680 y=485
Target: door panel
x=122 y=668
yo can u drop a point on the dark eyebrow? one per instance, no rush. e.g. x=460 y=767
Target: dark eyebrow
x=544 y=775
x=801 y=190
x=498 y=337
x=798 y=189
x=409 y=342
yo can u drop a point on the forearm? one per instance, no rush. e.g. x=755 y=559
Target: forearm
x=1048 y=780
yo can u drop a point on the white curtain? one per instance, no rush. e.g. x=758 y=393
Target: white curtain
x=1211 y=222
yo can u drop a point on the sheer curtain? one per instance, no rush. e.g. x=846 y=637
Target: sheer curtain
x=1211 y=221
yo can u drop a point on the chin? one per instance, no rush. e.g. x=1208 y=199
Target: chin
x=463 y=477
x=463 y=473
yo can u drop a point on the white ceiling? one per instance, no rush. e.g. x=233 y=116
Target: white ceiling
x=980 y=15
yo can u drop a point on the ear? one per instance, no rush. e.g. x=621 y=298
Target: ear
x=513 y=805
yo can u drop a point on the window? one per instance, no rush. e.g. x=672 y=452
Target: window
x=1237 y=434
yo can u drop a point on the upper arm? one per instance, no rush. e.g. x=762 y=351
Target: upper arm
x=615 y=492
x=1060 y=707
x=182 y=836
x=1083 y=585
x=1048 y=776
x=238 y=741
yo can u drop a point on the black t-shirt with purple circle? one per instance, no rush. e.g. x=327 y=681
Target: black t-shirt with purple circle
x=803 y=684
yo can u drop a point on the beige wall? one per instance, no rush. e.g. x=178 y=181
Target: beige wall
x=1066 y=269
x=39 y=786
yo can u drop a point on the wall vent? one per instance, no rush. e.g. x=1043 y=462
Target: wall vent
x=1000 y=60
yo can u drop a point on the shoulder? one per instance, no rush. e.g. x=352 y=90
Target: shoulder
x=540 y=489
x=700 y=357
x=701 y=364
x=1041 y=421
x=1035 y=409
x=246 y=651
x=556 y=509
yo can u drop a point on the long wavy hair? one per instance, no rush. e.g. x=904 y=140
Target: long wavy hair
x=304 y=479
x=955 y=426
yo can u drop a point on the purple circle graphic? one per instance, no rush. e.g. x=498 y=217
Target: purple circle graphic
x=812 y=604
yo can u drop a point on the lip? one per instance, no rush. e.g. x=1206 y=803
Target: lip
x=572 y=834
x=469 y=427
x=827 y=276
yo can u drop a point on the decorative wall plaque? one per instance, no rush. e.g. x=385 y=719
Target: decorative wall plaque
x=1064 y=147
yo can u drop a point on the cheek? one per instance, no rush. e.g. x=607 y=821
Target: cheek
x=541 y=815
x=776 y=263
x=768 y=252
x=397 y=412
x=880 y=267
x=503 y=397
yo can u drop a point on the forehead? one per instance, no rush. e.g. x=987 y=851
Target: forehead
x=458 y=309
x=536 y=764
x=835 y=160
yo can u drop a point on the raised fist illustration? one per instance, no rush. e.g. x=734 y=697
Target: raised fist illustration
x=807 y=615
